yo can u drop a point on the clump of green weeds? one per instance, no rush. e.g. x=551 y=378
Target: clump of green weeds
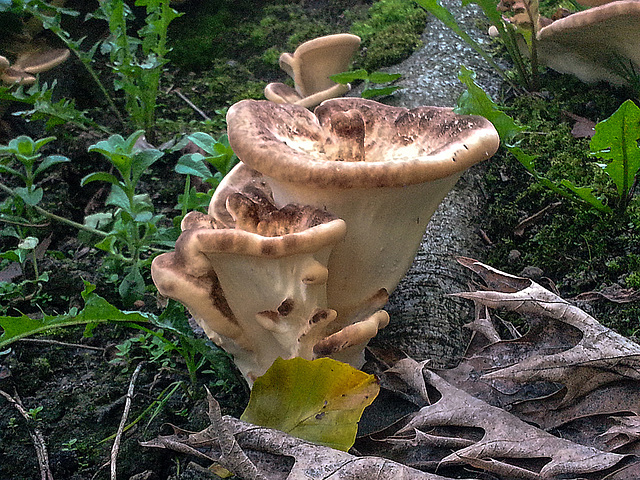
x=137 y=61
x=217 y=154
x=616 y=139
x=134 y=227
x=22 y=160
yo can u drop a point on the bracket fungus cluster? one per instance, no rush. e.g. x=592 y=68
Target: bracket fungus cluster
x=310 y=66
x=359 y=180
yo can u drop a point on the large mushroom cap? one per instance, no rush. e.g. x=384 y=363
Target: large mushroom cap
x=352 y=142
x=595 y=44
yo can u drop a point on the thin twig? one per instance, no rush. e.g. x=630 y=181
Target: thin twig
x=36 y=436
x=123 y=420
x=191 y=104
x=44 y=341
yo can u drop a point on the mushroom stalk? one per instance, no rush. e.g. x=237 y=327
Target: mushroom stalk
x=258 y=287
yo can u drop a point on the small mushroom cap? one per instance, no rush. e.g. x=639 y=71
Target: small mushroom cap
x=13 y=75
x=262 y=233
x=4 y=63
x=595 y=43
x=353 y=142
x=281 y=93
x=41 y=61
x=262 y=230
x=315 y=61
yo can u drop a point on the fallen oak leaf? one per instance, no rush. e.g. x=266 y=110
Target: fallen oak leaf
x=601 y=356
x=508 y=444
x=280 y=456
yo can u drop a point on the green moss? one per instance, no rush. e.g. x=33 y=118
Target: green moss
x=390 y=33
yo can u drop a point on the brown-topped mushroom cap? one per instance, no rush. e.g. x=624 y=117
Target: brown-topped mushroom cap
x=594 y=44
x=29 y=63
x=260 y=229
x=352 y=142
x=315 y=61
x=41 y=61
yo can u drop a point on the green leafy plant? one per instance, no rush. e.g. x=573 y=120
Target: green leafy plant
x=218 y=154
x=195 y=351
x=318 y=400
x=369 y=79
x=43 y=107
x=616 y=139
x=135 y=228
x=138 y=61
x=30 y=165
x=96 y=310
x=21 y=159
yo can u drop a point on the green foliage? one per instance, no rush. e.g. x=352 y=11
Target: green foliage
x=318 y=400
x=21 y=159
x=173 y=336
x=44 y=107
x=218 y=154
x=30 y=165
x=625 y=128
x=135 y=226
x=368 y=91
x=616 y=139
x=138 y=61
x=96 y=310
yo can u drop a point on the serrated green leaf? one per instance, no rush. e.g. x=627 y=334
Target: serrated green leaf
x=616 y=139
x=586 y=194
x=317 y=400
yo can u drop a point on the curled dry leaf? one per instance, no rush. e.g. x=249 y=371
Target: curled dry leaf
x=278 y=456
